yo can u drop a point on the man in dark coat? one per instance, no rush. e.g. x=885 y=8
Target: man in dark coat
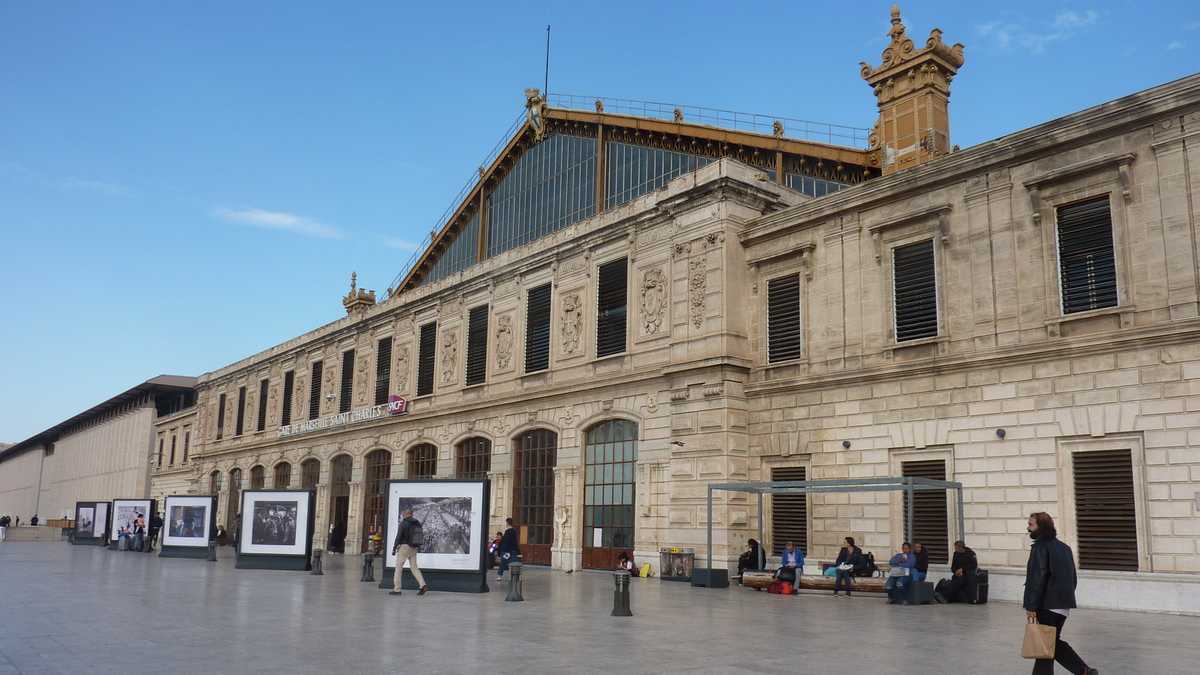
x=963 y=566
x=156 y=523
x=409 y=539
x=509 y=547
x=1050 y=592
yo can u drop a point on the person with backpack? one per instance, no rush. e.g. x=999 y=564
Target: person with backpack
x=1050 y=592
x=509 y=548
x=962 y=566
x=849 y=561
x=408 y=541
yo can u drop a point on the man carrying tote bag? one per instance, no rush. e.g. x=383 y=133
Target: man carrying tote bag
x=1049 y=598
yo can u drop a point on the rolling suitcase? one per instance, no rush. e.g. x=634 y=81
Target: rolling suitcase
x=981 y=588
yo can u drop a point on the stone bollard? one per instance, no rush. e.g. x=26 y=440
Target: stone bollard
x=368 y=573
x=212 y=551
x=514 y=584
x=316 y=562
x=621 y=594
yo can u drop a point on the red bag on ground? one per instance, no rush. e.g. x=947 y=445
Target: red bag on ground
x=781 y=588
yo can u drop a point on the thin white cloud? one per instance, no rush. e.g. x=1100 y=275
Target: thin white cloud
x=98 y=186
x=1173 y=45
x=400 y=244
x=1035 y=38
x=279 y=220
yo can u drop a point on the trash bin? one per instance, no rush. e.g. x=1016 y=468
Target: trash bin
x=675 y=564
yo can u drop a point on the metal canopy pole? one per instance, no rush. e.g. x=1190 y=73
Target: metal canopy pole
x=909 y=520
x=710 y=510
x=760 y=521
x=962 y=528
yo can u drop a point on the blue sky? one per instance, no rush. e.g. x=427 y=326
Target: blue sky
x=184 y=184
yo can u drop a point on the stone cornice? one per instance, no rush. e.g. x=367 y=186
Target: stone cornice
x=1138 y=109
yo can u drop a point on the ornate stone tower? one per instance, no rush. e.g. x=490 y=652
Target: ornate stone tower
x=358 y=299
x=912 y=87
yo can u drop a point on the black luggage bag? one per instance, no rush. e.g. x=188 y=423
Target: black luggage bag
x=979 y=594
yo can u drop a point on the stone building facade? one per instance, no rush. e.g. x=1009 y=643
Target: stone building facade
x=1020 y=317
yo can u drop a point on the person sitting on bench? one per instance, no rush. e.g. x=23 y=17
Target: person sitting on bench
x=753 y=559
x=963 y=566
x=849 y=560
x=791 y=565
x=900 y=576
x=921 y=569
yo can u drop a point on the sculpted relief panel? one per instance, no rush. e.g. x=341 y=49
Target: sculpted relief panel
x=697 y=280
x=449 y=355
x=504 y=342
x=653 y=300
x=572 y=323
x=401 y=374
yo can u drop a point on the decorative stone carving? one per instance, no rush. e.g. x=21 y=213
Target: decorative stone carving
x=298 y=395
x=651 y=404
x=654 y=300
x=360 y=377
x=402 y=369
x=331 y=383
x=504 y=342
x=449 y=355
x=273 y=402
x=501 y=426
x=683 y=249
x=572 y=322
x=697 y=282
x=569 y=418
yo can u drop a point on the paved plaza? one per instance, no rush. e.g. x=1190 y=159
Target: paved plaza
x=67 y=609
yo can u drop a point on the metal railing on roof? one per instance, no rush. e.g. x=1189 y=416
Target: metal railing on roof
x=819 y=132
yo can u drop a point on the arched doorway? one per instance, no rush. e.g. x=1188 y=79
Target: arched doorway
x=339 y=502
x=283 y=476
x=258 y=478
x=234 y=507
x=310 y=473
x=473 y=459
x=378 y=471
x=610 y=458
x=535 y=456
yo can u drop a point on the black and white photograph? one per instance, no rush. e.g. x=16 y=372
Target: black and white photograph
x=187 y=522
x=274 y=523
x=445 y=522
x=130 y=516
x=452 y=520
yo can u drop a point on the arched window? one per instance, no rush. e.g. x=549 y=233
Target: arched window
x=535 y=456
x=473 y=459
x=258 y=478
x=339 y=501
x=610 y=457
x=422 y=461
x=283 y=475
x=214 y=483
x=378 y=471
x=310 y=473
x=234 y=506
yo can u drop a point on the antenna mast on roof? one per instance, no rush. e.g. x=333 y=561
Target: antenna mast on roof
x=546 y=81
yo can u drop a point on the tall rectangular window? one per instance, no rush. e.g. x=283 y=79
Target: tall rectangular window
x=241 y=413
x=220 y=416
x=289 y=383
x=160 y=451
x=612 y=307
x=477 y=335
x=789 y=513
x=930 y=520
x=426 y=358
x=537 y=329
x=1087 y=265
x=187 y=443
x=314 y=390
x=914 y=283
x=174 y=438
x=1105 y=513
x=263 y=390
x=784 y=334
x=383 y=370
x=347 y=392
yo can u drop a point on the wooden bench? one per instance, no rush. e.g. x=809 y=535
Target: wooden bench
x=757 y=580
x=760 y=580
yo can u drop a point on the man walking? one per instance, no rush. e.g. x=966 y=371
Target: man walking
x=508 y=547
x=156 y=523
x=408 y=542
x=1050 y=592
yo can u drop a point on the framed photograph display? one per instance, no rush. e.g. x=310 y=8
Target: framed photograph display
x=91 y=523
x=127 y=516
x=189 y=522
x=275 y=529
x=453 y=516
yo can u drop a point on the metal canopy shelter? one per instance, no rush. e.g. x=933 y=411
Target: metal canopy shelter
x=905 y=484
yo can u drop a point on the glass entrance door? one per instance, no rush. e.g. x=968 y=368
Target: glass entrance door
x=339 y=502
x=610 y=457
x=533 y=493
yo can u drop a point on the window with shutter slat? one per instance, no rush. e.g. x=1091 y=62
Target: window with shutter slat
x=383 y=370
x=426 y=356
x=537 y=329
x=1086 y=262
x=931 y=523
x=789 y=513
x=612 y=308
x=220 y=417
x=346 y=397
x=477 y=330
x=263 y=387
x=314 y=391
x=1105 y=512
x=241 y=413
x=784 y=337
x=914 y=281
x=289 y=384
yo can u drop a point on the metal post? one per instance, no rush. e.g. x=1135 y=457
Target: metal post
x=708 y=582
x=212 y=550
x=621 y=594
x=368 y=571
x=909 y=520
x=316 y=562
x=760 y=521
x=962 y=522
x=514 y=584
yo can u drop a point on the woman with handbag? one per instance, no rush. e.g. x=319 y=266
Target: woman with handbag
x=1050 y=594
